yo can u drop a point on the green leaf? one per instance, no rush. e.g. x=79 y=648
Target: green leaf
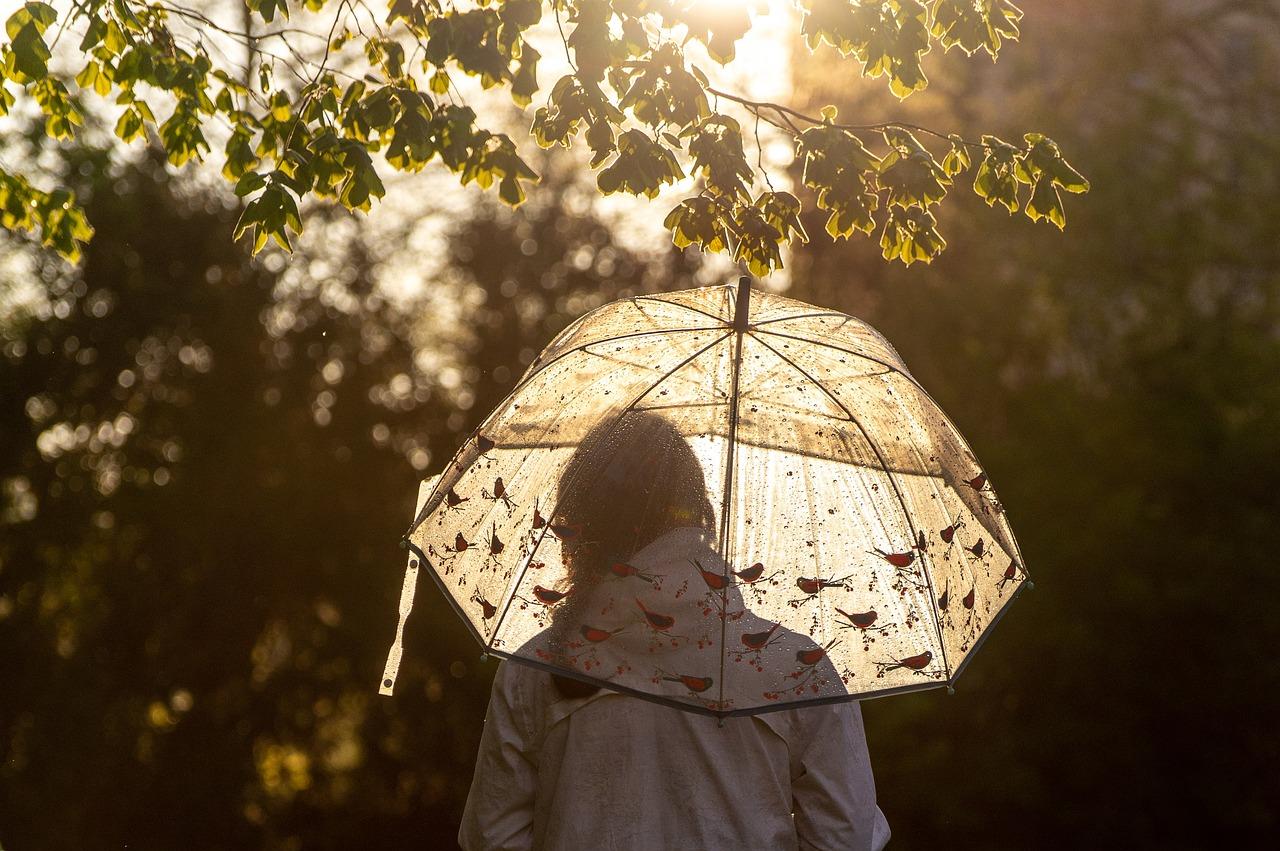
x=29 y=54
x=997 y=180
x=129 y=126
x=957 y=159
x=642 y=166
x=698 y=221
x=1067 y=177
x=715 y=144
x=93 y=34
x=909 y=235
x=910 y=172
x=1046 y=203
x=114 y=39
x=39 y=16
x=975 y=26
x=525 y=82
x=88 y=75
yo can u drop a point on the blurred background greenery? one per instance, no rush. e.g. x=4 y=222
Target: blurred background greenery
x=206 y=463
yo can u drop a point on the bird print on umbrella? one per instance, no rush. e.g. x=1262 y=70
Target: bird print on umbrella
x=754 y=573
x=596 y=635
x=917 y=664
x=1009 y=576
x=659 y=622
x=499 y=494
x=452 y=501
x=864 y=622
x=715 y=581
x=811 y=586
x=692 y=683
x=622 y=570
x=754 y=643
x=948 y=532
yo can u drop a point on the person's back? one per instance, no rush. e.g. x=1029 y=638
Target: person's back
x=610 y=771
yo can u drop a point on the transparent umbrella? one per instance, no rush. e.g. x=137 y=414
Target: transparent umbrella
x=722 y=500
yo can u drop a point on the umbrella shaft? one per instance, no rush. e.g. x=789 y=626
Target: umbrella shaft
x=744 y=300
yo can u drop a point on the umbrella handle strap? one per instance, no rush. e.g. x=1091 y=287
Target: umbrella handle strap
x=407 y=589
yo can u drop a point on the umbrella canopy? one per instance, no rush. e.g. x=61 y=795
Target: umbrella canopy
x=723 y=500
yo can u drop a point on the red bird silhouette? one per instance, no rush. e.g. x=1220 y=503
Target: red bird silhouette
x=623 y=570
x=661 y=623
x=538 y=520
x=1010 y=574
x=566 y=531
x=812 y=656
x=715 y=581
x=484 y=443
x=489 y=609
x=499 y=493
x=922 y=543
x=862 y=620
x=978 y=549
x=752 y=573
x=694 y=684
x=758 y=640
x=548 y=596
x=914 y=663
x=945 y=599
x=968 y=599
x=814 y=585
x=460 y=544
x=595 y=635
x=453 y=500
x=950 y=532
x=895 y=559
x=496 y=545
x=978 y=482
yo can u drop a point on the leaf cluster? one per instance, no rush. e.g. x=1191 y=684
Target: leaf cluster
x=649 y=115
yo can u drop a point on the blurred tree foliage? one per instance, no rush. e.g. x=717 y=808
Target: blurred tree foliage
x=1122 y=387
x=193 y=663
x=203 y=475
x=634 y=92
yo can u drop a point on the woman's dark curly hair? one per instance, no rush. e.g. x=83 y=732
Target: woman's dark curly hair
x=630 y=481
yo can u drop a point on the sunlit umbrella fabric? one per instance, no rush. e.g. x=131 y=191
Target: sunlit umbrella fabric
x=836 y=536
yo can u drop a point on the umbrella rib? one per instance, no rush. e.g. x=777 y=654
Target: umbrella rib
x=906 y=514
x=812 y=342
x=801 y=316
x=726 y=500
x=719 y=319
x=584 y=346
x=497 y=627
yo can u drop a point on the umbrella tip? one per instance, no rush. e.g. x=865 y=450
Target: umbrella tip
x=741 y=309
x=951 y=689
x=404 y=543
x=1031 y=586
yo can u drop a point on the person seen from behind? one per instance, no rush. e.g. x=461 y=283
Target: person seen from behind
x=566 y=764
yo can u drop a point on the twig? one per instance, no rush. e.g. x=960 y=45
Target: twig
x=785 y=111
x=760 y=155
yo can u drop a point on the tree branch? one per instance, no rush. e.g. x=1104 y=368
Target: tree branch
x=786 y=112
